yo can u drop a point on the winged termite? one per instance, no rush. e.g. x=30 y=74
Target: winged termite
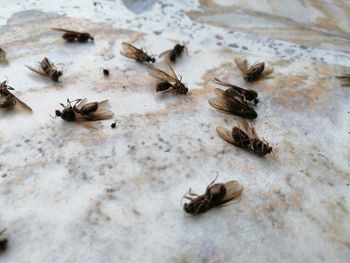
x=232 y=91
x=253 y=72
x=47 y=68
x=174 y=53
x=344 y=80
x=135 y=53
x=75 y=36
x=216 y=195
x=168 y=82
x=82 y=111
x=8 y=100
x=232 y=103
x=3 y=241
x=245 y=136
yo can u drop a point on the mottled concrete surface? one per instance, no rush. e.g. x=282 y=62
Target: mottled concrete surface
x=69 y=194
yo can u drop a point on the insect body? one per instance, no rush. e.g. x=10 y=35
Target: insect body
x=135 y=53
x=82 y=111
x=344 y=79
x=75 y=36
x=232 y=91
x=232 y=102
x=174 y=53
x=215 y=195
x=3 y=242
x=245 y=136
x=47 y=68
x=168 y=82
x=254 y=72
x=8 y=100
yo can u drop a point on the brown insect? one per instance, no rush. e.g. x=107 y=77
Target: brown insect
x=344 y=80
x=8 y=100
x=173 y=54
x=47 y=68
x=135 y=53
x=232 y=91
x=75 y=36
x=168 y=82
x=2 y=55
x=232 y=102
x=254 y=72
x=3 y=242
x=216 y=195
x=245 y=136
x=82 y=111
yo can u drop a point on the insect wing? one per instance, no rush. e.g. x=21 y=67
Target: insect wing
x=39 y=71
x=130 y=51
x=225 y=134
x=242 y=64
x=233 y=191
x=102 y=112
x=23 y=105
x=248 y=128
x=66 y=30
x=161 y=75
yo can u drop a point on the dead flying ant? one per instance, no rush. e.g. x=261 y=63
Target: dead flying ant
x=216 y=195
x=75 y=36
x=245 y=136
x=232 y=103
x=168 y=83
x=344 y=80
x=8 y=100
x=232 y=91
x=47 y=68
x=173 y=54
x=3 y=241
x=254 y=72
x=135 y=53
x=82 y=111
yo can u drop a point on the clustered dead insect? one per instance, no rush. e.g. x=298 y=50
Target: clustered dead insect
x=8 y=100
x=174 y=53
x=47 y=68
x=232 y=102
x=135 y=53
x=82 y=111
x=216 y=195
x=75 y=36
x=245 y=136
x=169 y=82
x=344 y=80
x=254 y=72
x=3 y=241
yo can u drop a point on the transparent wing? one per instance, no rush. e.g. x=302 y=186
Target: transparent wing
x=248 y=129
x=130 y=51
x=267 y=71
x=165 y=54
x=102 y=112
x=23 y=105
x=65 y=30
x=36 y=70
x=225 y=134
x=160 y=74
x=233 y=190
x=242 y=64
